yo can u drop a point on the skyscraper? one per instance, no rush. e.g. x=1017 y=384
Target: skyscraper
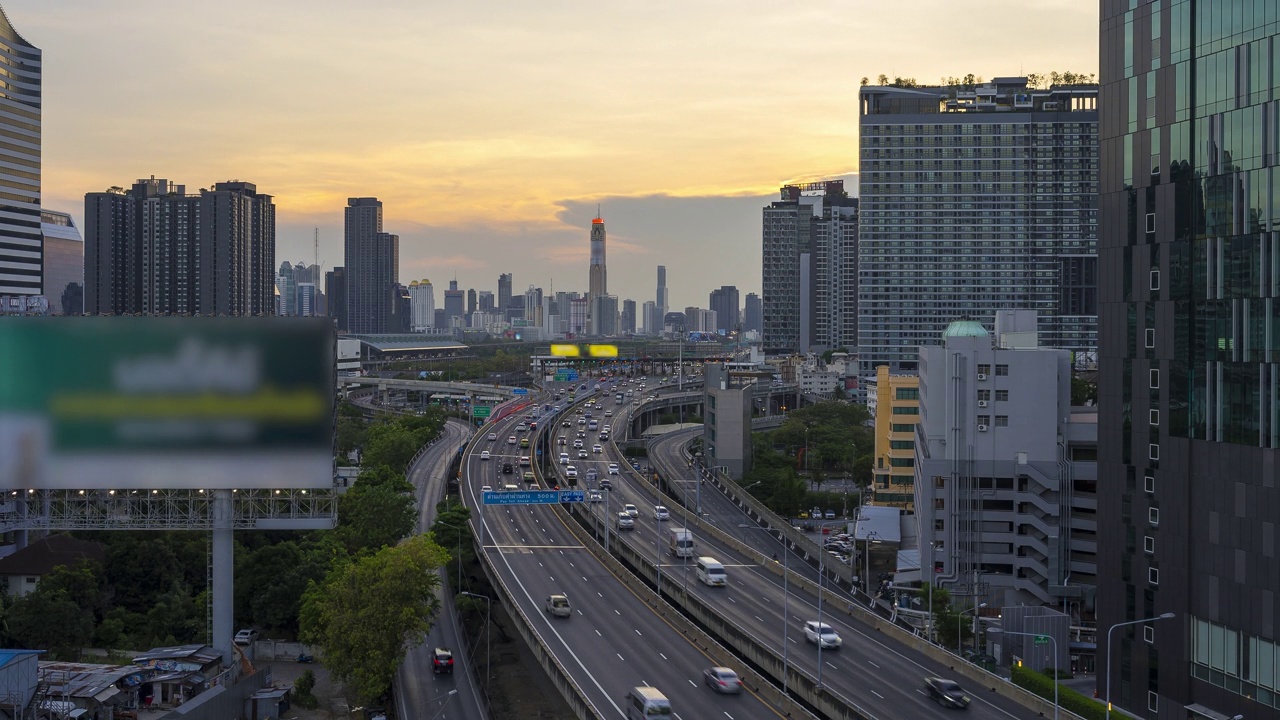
x=454 y=302
x=154 y=249
x=335 y=288
x=21 y=246
x=372 y=261
x=627 y=321
x=1189 y=396
x=288 y=289
x=835 y=272
x=724 y=301
x=597 y=278
x=504 y=291
x=753 y=315
x=660 y=304
x=604 y=316
x=63 y=271
x=423 y=298
x=651 y=318
x=484 y=300
x=471 y=301
x=975 y=197
x=785 y=244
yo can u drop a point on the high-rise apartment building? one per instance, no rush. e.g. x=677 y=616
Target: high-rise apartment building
x=484 y=301
x=154 y=249
x=897 y=412
x=597 y=278
x=660 y=304
x=504 y=291
x=1189 y=387
x=1005 y=469
x=21 y=246
x=604 y=316
x=753 y=314
x=422 y=297
x=724 y=300
x=627 y=321
x=335 y=289
x=651 y=319
x=471 y=302
x=975 y=198
x=63 y=271
x=288 y=289
x=372 y=262
x=454 y=302
x=835 y=271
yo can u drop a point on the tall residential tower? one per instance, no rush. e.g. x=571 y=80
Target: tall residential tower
x=372 y=263
x=21 y=249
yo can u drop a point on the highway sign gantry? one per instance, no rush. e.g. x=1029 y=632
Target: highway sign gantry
x=533 y=497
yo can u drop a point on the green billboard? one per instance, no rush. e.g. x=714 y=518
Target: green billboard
x=125 y=402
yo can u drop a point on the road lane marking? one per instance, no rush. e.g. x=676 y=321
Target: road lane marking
x=873 y=664
x=638 y=631
x=620 y=657
x=873 y=692
x=833 y=667
x=664 y=657
x=692 y=683
x=598 y=633
x=757 y=617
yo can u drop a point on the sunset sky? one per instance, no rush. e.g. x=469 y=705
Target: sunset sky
x=490 y=130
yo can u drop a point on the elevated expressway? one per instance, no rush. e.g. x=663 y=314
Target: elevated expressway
x=615 y=640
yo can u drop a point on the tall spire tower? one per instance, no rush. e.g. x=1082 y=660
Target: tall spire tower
x=597 y=279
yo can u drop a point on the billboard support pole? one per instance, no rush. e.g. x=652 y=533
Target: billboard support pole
x=223 y=567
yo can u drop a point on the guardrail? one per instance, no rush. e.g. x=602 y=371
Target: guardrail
x=799 y=543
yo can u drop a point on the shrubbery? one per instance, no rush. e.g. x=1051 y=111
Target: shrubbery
x=1069 y=699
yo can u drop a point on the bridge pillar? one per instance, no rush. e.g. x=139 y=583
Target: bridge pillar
x=223 y=579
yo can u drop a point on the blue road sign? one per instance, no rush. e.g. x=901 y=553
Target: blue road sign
x=533 y=497
x=572 y=496
x=520 y=391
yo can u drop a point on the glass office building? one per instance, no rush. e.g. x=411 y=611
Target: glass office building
x=975 y=197
x=1189 y=329
x=20 y=117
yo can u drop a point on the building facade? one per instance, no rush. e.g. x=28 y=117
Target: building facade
x=21 y=244
x=423 y=298
x=63 y=257
x=154 y=249
x=1006 y=469
x=786 y=241
x=597 y=277
x=660 y=303
x=975 y=198
x=897 y=412
x=454 y=302
x=724 y=300
x=335 y=289
x=372 y=263
x=753 y=314
x=1189 y=386
x=835 y=272
x=727 y=399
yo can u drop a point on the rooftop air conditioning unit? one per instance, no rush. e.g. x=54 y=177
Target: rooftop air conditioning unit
x=982 y=428
x=982 y=376
x=982 y=403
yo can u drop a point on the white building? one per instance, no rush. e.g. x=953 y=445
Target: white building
x=422 y=299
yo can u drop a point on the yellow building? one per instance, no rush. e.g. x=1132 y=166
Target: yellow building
x=897 y=412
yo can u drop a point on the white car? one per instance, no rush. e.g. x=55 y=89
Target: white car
x=577 y=443
x=246 y=637
x=595 y=496
x=571 y=472
x=484 y=454
x=625 y=521
x=631 y=510
x=524 y=461
x=821 y=634
x=608 y=413
x=521 y=427
x=564 y=458
x=486 y=488
x=613 y=468
x=597 y=449
x=661 y=513
x=512 y=440
x=493 y=437
x=582 y=454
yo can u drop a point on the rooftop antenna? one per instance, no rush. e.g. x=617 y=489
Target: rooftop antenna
x=597 y=209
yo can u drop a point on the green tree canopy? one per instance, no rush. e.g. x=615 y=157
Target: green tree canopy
x=270 y=580
x=58 y=615
x=373 y=516
x=367 y=611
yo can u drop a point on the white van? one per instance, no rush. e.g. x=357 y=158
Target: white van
x=647 y=702
x=711 y=572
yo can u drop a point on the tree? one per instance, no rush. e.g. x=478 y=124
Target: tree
x=385 y=477
x=271 y=579
x=373 y=516
x=1083 y=392
x=863 y=82
x=177 y=617
x=882 y=79
x=58 y=615
x=368 y=610
x=391 y=444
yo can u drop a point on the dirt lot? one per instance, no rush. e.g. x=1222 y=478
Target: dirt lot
x=332 y=702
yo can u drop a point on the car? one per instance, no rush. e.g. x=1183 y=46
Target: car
x=486 y=488
x=571 y=472
x=529 y=478
x=947 y=693
x=563 y=459
x=582 y=421
x=582 y=434
x=608 y=413
x=246 y=636
x=441 y=661
x=524 y=442
x=829 y=515
x=631 y=510
x=595 y=496
x=484 y=454
x=661 y=513
x=822 y=635
x=604 y=435
x=722 y=680
x=577 y=443
x=613 y=468
x=566 y=423
x=522 y=428
x=582 y=454
x=625 y=521
x=606 y=484
x=493 y=437
x=507 y=469
x=592 y=474
x=524 y=461
x=558 y=606
x=597 y=448
x=512 y=440
x=560 y=440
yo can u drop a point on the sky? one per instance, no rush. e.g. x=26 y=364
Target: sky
x=491 y=131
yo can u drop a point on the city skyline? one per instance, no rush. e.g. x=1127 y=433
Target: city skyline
x=675 y=187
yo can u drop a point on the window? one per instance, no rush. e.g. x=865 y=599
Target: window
x=902 y=462
x=1002 y=396
x=907 y=393
x=1151 y=337
x=1155 y=279
x=1155 y=380
x=1149 y=483
x=1153 y=451
x=1153 y=576
x=901 y=427
x=1153 y=701
x=1148 y=544
x=1153 y=516
x=1154 y=416
x=984 y=369
x=1002 y=421
x=984 y=419
x=1148 y=633
x=1151 y=222
x=1002 y=370
x=984 y=395
x=906 y=411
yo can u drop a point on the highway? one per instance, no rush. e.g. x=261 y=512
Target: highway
x=421 y=695
x=613 y=640
x=872 y=671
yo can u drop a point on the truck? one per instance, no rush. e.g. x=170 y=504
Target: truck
x=680 y=542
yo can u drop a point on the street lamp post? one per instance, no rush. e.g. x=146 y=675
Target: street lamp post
x=786 y=613
x=1165 y=616
x=960 y=627
x=488 y=632
x=866 y=581
x=1053 y=640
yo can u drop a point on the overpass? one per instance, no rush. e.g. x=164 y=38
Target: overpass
x=773 y=400
x=474 y=391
